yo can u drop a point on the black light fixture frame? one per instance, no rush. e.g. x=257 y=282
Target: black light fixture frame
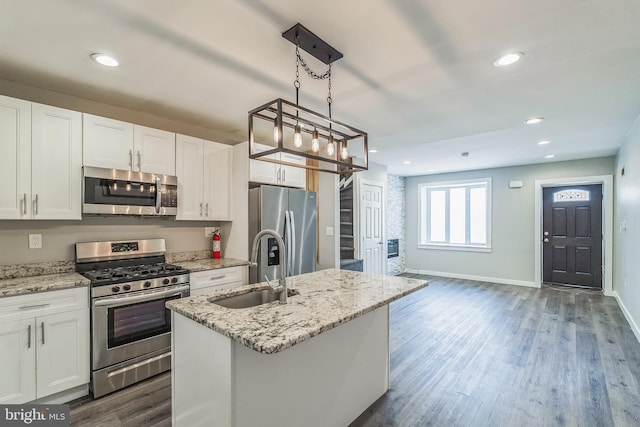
x=284 y=114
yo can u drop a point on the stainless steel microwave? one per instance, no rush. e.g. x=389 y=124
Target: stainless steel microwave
x=122 y=192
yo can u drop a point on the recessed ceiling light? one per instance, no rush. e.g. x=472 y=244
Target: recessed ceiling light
x=106 y=60
x=407 y=162
x=534 y=120
x=508 y=59
x=549 y=156
x=431 y=170
x=544 y=142
x=373 y=150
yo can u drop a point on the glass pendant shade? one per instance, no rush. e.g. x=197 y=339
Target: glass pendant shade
x=297 y=136
x=315 y=143
x=331 y=146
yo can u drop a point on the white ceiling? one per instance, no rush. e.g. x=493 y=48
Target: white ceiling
x=418 y=76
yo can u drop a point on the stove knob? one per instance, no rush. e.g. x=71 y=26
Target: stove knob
x=115 y=289
x=147 y=284
x=165 y=282
x=126 y=287
x=174 y=280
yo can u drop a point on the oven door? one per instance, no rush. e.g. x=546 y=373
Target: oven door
x=131 y=325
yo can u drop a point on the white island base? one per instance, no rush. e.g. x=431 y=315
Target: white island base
x=327 y=380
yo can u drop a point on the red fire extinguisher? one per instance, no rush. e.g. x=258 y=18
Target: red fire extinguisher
x=216 y=244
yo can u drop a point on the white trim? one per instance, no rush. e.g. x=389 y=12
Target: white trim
x=471 y=277
x=607 y=226
x=356 y=225
x=627 y=315
x=424 y=213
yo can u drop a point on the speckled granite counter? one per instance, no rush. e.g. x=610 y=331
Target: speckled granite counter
x=327 y=298
x=42 y=283
x=211 y=264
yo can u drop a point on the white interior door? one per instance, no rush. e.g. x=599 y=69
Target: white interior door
x=371 y=228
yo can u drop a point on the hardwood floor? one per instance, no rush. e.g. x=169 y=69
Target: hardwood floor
x=473 y=354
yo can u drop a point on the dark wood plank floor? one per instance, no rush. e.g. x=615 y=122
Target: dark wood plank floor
x=473 y=354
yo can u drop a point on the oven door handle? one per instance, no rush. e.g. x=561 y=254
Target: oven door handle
x=140 y=298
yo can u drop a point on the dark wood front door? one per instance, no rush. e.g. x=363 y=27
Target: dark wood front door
x=572 y=235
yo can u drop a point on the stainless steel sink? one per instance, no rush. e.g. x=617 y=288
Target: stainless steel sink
x=253 y=299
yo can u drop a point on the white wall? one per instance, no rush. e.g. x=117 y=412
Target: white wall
x=511 y=259
x=626 y=280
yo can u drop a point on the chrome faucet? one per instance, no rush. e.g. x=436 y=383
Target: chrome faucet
x=282 y=283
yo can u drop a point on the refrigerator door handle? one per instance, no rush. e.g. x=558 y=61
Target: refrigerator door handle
x=292 y=247
x=287 y=242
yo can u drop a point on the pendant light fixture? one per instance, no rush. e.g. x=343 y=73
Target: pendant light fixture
x=284 y=127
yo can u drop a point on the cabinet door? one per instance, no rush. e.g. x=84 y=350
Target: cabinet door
x=217 y=181
x=63 y=351
x=56 y=170
x=189 y=170
x=208 y=281
x=18 y=361
x=107 y=143
x=15 y=152
x=264 y=172
x=154 y=150
x=292 y=176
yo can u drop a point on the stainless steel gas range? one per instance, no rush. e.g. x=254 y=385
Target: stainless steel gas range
x=130 y=326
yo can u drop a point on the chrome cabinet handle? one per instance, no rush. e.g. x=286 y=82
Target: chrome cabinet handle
x=278 y=175
x=284 y=175
x=29 y=336
x=206 y=210
x=26 y=307
x=218 y=277
x=200 y=208
x=139 y=161
x=35 y=205
x=42 y=328
x=130 y=158
x=23 y=203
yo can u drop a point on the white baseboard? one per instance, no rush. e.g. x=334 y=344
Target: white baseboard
x=476 y=278
x=627 y=315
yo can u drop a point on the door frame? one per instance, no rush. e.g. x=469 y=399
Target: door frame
x=357 y=221
x=607 y=223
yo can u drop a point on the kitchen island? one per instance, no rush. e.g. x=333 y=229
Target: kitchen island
x=319 y=360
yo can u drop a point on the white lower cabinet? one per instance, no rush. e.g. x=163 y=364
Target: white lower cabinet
x=208 y=281
x=45 y=344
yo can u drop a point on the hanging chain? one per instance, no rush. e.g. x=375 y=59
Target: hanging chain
x=296 y=82
x=329 y=99
x=308 y=69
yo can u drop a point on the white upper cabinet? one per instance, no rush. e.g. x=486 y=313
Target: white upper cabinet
x=155 y=150
x=15 y=151
x=56 y=163
x=203 y=169
x=277 y=174
x=42 y=151
x=114 y=144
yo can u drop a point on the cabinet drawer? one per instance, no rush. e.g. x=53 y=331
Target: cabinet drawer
x=43 y=303
x=219 y=277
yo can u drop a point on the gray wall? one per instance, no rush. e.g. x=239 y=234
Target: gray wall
x=328 y=202
x=512 y=255
x=626 y=281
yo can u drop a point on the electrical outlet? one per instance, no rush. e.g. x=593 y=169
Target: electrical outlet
x=35 y=241
x=329 y=231
x=209 y=231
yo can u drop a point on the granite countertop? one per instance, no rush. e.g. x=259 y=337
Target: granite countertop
x=326 y=299
x=47 y=282
x=211 y=264
x=22 y=279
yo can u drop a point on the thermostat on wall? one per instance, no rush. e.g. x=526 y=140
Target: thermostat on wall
x=515 y=184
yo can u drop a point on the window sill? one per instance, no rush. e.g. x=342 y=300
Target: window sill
x=454 y=248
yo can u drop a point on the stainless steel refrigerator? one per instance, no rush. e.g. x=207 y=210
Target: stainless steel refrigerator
x=292 y=213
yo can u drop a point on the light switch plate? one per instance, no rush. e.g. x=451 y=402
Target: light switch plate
x=35 y=241
x=329 y=231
